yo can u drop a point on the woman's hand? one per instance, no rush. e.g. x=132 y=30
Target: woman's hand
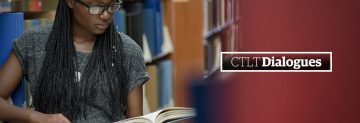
x=38 y=117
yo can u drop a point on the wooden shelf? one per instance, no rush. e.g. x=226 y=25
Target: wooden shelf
x=28 y=15
x=159 y=58
x=217 y=30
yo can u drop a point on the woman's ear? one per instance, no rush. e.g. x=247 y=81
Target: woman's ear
x=70 y=3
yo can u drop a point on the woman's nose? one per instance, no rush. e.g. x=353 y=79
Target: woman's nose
x=105 y=16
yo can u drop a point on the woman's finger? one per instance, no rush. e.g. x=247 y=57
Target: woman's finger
x=61 y=116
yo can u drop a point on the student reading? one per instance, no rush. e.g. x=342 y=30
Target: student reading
x=80 y=69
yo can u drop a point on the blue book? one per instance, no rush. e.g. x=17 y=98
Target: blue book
x=153 y=25
x=149 y=30
x=159 y=27
x=11 y=26
x=119 y=18
x=35 y=23
x=164 y=75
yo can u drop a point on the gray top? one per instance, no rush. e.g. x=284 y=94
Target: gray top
x=30 y=50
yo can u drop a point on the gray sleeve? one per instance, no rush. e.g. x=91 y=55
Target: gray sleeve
x=21 y=49
x=137 y=70
x=29 y=48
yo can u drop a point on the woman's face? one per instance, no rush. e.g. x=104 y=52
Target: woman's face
x=93 y=23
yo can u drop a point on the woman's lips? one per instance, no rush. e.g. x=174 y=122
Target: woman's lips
x=102 y=26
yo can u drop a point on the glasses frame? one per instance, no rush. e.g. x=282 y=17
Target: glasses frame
x=91 y=7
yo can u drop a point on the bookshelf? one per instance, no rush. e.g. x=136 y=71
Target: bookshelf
x=32 y=9
x=222 y=31
x=219 y=29
x=159 y=58
x=39 y=15
x=183 y=19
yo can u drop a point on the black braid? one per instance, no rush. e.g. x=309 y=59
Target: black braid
x=57 y=90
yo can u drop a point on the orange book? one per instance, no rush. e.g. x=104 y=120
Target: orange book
x=35 y=5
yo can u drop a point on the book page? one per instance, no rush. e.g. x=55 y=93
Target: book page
x=175 y=114
x=135 y=120
x=167 y=114
x=147 y=118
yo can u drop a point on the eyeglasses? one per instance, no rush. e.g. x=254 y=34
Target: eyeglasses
x=95 y=9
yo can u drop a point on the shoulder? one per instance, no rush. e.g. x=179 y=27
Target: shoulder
x=131 y=48
x=36 y=36
x=40 y=32
x=134 y=62
x=29 y=48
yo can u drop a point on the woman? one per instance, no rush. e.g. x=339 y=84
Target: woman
x=80 y=69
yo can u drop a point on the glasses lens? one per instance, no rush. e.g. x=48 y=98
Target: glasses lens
x=96 y=9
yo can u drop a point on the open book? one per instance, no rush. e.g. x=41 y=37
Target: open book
x=166 y=115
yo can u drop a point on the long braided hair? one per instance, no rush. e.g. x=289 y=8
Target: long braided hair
x=57 y=89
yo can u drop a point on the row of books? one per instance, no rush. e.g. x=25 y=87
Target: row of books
x=144 y=21
x=28 y=24
x=222 y=31
x=158 y=90
x=212 y=55
x=230 y=40
x=146 y=16
x=220 y=12
x=27 y=5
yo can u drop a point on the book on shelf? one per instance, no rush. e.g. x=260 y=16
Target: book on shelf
x=223 y=32
x=153 y=25
x=12 y=26
x=35 y=23
x=167 y=46
x=134 y=20
x=151 y=88
x=5 y=6
x=120 y=20
x=146 y=50
x=34 y=5
x=166 y=115
x=26 y=5
x=165 y=82
x=220 y=15
x=212 y=54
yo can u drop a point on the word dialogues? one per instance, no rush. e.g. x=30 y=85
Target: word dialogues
x=276 y=62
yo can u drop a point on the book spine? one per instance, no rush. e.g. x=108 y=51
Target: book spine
x=134 y=18
x=153 y=25
x=149 y=29
x=12 y=25
x=165 y=83
x=118 y=21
